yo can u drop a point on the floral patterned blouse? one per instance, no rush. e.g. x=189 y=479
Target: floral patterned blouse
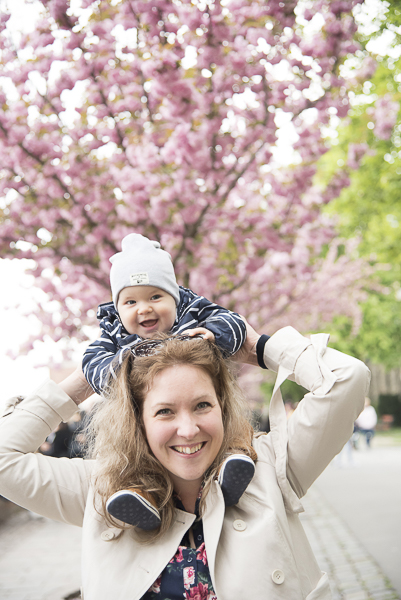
x=186 y=577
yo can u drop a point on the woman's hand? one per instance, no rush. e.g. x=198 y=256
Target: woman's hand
x=76 y=386
x=205 y=333
x=247 y=353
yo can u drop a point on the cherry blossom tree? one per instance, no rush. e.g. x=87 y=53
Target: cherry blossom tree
x=169 y=118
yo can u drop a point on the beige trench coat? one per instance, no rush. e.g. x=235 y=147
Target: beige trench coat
x=257 y=550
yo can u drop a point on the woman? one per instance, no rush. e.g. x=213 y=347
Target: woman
x=182 y=409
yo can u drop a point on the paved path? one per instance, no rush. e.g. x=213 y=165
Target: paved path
x=366 y=495
x=40 y=559
x=353 y=572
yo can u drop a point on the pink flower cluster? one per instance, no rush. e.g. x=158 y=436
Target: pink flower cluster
x=356 y=152
x=385 y=116
x=162 y=118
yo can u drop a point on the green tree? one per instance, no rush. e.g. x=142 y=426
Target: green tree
x=370 y=145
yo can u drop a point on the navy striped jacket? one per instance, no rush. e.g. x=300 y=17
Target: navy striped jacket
x=104 y=355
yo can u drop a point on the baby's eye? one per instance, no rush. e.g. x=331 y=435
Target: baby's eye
x=156 y=297
x=129 y=302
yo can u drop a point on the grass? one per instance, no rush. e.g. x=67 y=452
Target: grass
x=392 y=437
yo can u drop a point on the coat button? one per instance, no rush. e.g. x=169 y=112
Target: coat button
x=278 y=576
x=239 y=525
x=106 y=536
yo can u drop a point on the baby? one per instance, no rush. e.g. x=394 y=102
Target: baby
x=146 y=301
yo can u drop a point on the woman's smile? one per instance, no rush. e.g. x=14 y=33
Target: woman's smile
x=183 y=423
x=189 y=450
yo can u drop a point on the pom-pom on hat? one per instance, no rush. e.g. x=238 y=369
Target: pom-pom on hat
x=142 y=262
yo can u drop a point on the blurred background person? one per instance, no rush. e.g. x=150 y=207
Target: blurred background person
x=366 y=422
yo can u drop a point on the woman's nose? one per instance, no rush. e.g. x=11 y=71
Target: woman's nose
x=187 y=427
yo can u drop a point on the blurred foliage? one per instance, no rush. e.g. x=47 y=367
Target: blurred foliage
x=371 y=207
x=390 y=437
x=290 y=391
x=390 y=405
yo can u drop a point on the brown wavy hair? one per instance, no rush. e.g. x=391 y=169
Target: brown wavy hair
x=116 y=434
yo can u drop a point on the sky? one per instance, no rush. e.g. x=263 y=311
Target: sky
x=23 y=373
x=18 y=376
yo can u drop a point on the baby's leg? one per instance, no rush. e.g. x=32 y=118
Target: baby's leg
x=235 y=475
x=135 y=507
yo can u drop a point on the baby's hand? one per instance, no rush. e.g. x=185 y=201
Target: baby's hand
x=205 y=333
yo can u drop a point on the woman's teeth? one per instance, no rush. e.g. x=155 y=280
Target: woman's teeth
x=187 y=450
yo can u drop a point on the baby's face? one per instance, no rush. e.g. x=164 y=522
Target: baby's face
x=146 y=310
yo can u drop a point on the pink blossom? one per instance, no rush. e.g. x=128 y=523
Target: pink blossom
x=58 y=10
x=181 y=151
x=385 y=116
x=367 y=69
x=355 y=154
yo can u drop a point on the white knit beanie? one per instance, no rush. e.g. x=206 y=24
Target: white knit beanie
x=142 y=262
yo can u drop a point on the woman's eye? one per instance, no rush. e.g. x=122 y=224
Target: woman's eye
x=163 y=411
x=203 y=405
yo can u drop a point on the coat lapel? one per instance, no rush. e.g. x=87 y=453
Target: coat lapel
x=212 y=525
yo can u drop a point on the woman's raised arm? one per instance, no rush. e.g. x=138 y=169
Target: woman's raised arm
x=76 y=386
x=323 y=420
x=54 y=487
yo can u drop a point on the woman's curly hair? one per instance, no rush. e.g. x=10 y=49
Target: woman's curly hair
x=116 y=434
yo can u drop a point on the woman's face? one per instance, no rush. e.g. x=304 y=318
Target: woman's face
x=183 y=423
